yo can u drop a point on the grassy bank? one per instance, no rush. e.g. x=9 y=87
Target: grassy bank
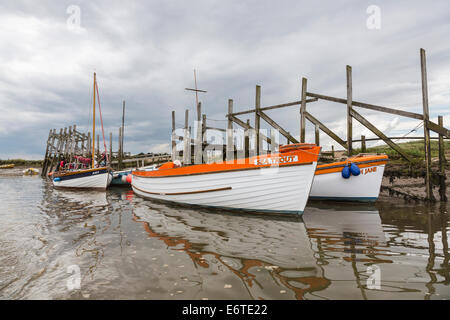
x=415 y=149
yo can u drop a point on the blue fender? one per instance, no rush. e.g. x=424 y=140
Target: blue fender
x=346 y=172
x=354 y=169
x=57 y=179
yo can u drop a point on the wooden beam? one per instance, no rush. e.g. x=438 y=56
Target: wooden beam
x=372 y=128
x=368 y=106
x=426 y=117
x=438 y=129
x=303 y=110
x=349 y=109
x=275 y=106
x=248 y=127
x=325 y=129
x=277 y=126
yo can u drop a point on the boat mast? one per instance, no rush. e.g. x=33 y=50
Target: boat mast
x=93 y=128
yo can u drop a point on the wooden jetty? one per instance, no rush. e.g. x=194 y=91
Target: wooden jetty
x=195 y=150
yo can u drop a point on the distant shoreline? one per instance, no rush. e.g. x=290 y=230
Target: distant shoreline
x=22 y=162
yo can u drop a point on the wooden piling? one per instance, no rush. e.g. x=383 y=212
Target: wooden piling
x=173 y=138
x=363 y=144
x=273 y=139
x=119 y=151
x=110 y=148
x=186 y=140
x=247 y=140
x=44 y=165
x=204 y=139
x=230 y=145
x=302 y=110
x=349 y=111
x=426 y=117
x=198 y=147
x=317 y=135
x=257 y=117
x=442 y=177
x=332 y=151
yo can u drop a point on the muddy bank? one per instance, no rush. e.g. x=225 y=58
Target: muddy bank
x=408 y=182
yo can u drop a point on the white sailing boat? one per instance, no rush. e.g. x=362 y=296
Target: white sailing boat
x=91 y=178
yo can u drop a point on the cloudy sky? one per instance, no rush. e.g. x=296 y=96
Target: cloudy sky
x=144 y=52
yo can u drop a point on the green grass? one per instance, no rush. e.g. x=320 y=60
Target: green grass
x=413 y=148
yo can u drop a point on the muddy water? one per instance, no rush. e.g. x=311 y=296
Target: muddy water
x=114 y=245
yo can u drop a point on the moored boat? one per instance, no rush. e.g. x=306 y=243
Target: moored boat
x=278 y=183
x=96 y=178
x=331 y=183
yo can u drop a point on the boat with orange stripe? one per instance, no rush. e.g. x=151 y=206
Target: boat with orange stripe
x=278 y=182
x=357 y=178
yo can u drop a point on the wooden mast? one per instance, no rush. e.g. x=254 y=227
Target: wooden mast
x=93 y=128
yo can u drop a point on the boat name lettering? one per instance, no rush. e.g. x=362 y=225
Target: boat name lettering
x=275 y=160
x=369 y=170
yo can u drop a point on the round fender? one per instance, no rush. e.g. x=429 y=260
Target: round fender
x=354 y=169
x=346 y=172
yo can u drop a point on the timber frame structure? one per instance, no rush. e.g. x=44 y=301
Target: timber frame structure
x=196 y=146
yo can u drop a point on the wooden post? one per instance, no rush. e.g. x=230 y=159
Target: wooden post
x=317 y=135
x=257 y=116
x=230 y=146
x=349 y=111
x=363 y=144
x=302 y=111
x=273 y=139
x=186 y=140
x=332 y=151
x=123 y=130
x=442 y=185
x=110 y=149
x=426 y=117
x=247 y=140
x=204 y=138
x=44 y=165
x=198 y=147
x=89 y=145
x=173 y=135
x=119 y=151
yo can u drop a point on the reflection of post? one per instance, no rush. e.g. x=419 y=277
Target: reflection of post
x=444 y=222
x=431 y=257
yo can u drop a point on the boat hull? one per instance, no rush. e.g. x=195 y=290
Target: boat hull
x=362 y=188
x=84 y=179
x=282 y=189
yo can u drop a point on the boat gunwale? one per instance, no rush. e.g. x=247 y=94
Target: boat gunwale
x=64 y=174
x=137 y=173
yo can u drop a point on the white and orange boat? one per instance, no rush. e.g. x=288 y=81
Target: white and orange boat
x=330 y=184
x=278 y=183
